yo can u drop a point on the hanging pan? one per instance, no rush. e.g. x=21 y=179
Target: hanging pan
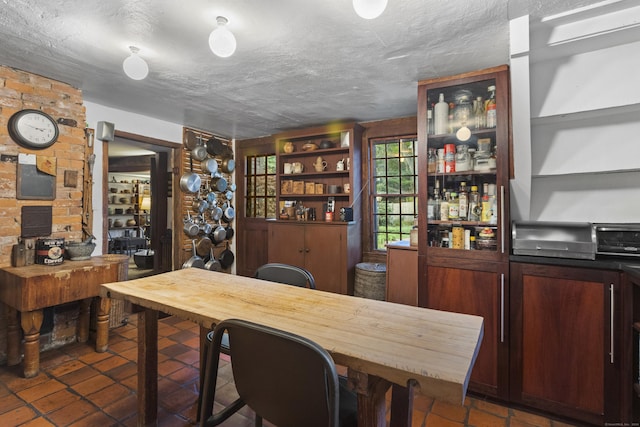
x=204 y=245
x=195 y=261
x=213 y=264
x=190 y=140
x=228 y=165
x=190 y=181
x=215 y=147
x=226 y=258
x=199 y=152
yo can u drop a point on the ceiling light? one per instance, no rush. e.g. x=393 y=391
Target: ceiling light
x=222 y=41
x=135 y=67
x=369 y=9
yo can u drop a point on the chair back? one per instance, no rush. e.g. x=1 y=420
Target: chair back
x=286 y=379
x=287 y=274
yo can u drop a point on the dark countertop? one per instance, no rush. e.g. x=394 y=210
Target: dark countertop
x=626 y=264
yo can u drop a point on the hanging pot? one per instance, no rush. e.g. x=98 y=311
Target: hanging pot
x=203 y=247
x=199 y=152
x=190 y=228
x=190 y=181
x=232 y=187
x=228 y=165
x=215 y=147
x=209 y=165
x=216 y=213
x=226 y=258
x=190 y=140
x=230 y=232
x=228 y=214
x=200 y=205
x=218 y=183
x=218 y=235
x=211 y=198
x=195 y=261
x=213 y=264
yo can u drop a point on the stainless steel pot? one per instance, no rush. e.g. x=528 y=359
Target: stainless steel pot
x=218 y=235
x=228 y=214
x=199 y=152
x=219 y=183
x=209 y=165
x=228 y=165
x=190 y=182
x=213 y=264
x=190 y=228
x=195 y=261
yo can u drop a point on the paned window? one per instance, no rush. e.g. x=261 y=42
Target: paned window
x=261 y=186
x=394 y=181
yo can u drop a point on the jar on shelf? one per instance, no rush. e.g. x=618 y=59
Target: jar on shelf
x=463 y=159
x=432 y=161
x=463 y=110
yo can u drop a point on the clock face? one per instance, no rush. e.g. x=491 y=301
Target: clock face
x=33 y=129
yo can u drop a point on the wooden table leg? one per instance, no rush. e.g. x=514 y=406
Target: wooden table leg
x=401 y=405
x=102 y=324
x=147 y=367
x=31 y=321
x=371 y=391
x=83 y=320
x=13 y=337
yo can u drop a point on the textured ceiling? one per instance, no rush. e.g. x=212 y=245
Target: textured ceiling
x=298 y=63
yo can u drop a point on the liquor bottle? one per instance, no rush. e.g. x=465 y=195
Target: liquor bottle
x=444 y=207
x=486 y=204
x=454 y=206
x=463 y=202
x=430 y=118
x=436 y=200
x=441 y=116
x=474 y=204
x=490 y=108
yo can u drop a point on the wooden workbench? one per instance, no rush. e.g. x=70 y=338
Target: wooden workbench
x=27 y=290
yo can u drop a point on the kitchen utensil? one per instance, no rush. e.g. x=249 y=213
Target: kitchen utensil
x=228 y=165
x=309 y=146
x=212 y=264
x=195 y=261
x=226 y=258
x=215 y=147
x=230 y=232
x=228 y=194
x=219 y=234
x=228 y=214
x=190 y=228
x=190 y=181
x=199 y=152
x=204 y=245
x=209 y=165
x=190 y=140
x=211 y=198
x=320 y=164
x=218 y=183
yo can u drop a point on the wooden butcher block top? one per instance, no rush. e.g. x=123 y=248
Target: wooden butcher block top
x=392 y=341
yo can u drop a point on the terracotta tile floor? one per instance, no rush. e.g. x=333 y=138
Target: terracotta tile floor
x=79 y=387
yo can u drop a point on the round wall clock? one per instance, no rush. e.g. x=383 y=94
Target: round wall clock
x=33 y=129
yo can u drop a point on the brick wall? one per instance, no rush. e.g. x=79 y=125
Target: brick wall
x=20 y=90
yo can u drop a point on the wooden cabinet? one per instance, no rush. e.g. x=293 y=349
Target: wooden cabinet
x=456 y=274
x=319 y=164
x=565 y=345
x=402 y=273
x=480 y=289
x=326 y=250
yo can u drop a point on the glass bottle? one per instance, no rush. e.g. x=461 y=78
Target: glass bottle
x=478 y=113
x=454 y=206
x=474 y=204
x=463 y=202
x=490 y=108
x=444 y=207
x=430 y=118
x=485 y=216
x=437 y=200
x=462 y=158
x=463 y=110
x=431 y=160
x=441 y=116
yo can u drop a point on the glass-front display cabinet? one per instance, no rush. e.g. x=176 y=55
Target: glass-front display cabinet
x=463 y=131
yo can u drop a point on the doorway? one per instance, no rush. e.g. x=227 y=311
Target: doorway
x=145 y=165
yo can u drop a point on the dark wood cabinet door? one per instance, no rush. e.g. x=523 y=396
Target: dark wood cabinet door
x=481 y=293
x=563 y=355
x=325 y=257
x=402 y=276
x=287 y=244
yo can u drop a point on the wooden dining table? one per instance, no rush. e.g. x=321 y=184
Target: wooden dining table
x=417 y=350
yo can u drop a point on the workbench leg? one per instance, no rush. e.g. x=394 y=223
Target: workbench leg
x=371 y=392
x=102 y=324
x=13 y=337
x=401 y=405
x=83 y=320
x=31 y=321
x=147 y=367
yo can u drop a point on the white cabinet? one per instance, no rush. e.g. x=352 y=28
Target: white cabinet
x=576 y=122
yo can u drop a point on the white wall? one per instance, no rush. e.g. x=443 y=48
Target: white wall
x=127 y=122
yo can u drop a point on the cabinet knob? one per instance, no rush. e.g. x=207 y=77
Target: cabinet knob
x=300 y=250
x=306 y=250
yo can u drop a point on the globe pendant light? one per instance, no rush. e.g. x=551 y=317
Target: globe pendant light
x=135 y=67
x=369 y=9
x=222 y=41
